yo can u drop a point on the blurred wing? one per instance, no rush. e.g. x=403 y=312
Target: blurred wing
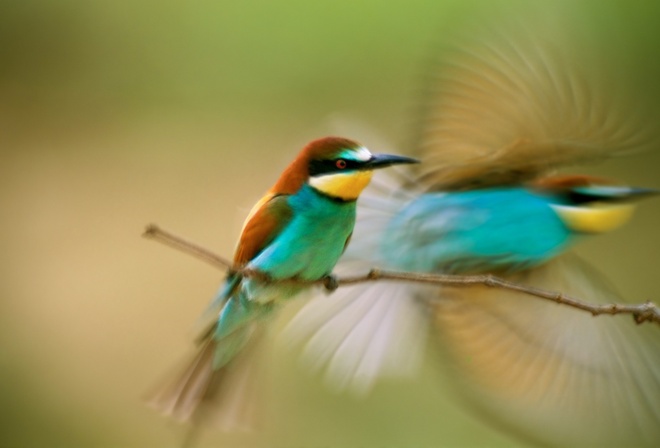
x=509 y=107
x=551 y=373
x=361 y=333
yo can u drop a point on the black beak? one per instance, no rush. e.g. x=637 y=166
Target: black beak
x=384 y=160
x=594 y=193
x=637 y=192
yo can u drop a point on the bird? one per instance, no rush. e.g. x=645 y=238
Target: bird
x=296 y=231
x=504 y=113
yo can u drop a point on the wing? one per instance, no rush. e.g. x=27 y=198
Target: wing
x=361 y=333
x=503 y=109
x=266 y=220
x=506 y=108
x=550 y=373
x=347 y=242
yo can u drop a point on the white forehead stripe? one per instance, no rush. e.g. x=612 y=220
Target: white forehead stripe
x=360 y=154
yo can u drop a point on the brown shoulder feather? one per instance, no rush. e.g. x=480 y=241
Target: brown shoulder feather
x=264 y=223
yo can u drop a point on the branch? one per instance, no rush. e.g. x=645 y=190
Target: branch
x=156 y=233
x=644 y=312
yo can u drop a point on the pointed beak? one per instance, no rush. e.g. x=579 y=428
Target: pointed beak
x=384 y=160
x=616 y=193
x=635 y=193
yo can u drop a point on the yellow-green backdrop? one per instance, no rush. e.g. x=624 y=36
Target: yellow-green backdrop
x=118 y=113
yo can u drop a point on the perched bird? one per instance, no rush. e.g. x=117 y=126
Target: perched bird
x=503 y=113
x=298 y=231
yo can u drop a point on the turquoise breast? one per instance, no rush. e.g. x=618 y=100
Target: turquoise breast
x=310 y=245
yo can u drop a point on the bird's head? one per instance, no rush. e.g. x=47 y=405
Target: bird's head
x=589 y=204
x=337 y=167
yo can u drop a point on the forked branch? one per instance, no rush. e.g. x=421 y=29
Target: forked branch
x=644 y=312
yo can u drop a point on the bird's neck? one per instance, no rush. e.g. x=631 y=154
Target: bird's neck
x=314 y=201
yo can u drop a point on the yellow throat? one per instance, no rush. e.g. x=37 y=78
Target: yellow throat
x=346 y=186
x=597 y=218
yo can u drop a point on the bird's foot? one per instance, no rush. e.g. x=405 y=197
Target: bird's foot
x=330 y=283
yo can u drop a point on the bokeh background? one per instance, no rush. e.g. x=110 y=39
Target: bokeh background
x=114 y=114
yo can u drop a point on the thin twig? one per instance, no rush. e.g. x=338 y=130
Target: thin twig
x=644 y=312
x=156 y=233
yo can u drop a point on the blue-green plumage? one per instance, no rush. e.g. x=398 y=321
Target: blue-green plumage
x=477 y=231
x=314 y=239
x=306 y=248
x=515 y=232
x=297 y=231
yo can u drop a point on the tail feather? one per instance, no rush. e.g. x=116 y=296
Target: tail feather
x=233 y=401
x=226 y=397
x=178 y=399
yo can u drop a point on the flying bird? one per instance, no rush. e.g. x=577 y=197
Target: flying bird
x=503 y=112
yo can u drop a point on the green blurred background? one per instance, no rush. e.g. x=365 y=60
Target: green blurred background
x=114 y=114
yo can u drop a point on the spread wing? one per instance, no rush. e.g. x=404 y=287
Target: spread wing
x=509 y=107
x=266 y=220
x=504 y=109
x=550 y=373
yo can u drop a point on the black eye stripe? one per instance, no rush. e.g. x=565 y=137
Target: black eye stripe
x=320 y=167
